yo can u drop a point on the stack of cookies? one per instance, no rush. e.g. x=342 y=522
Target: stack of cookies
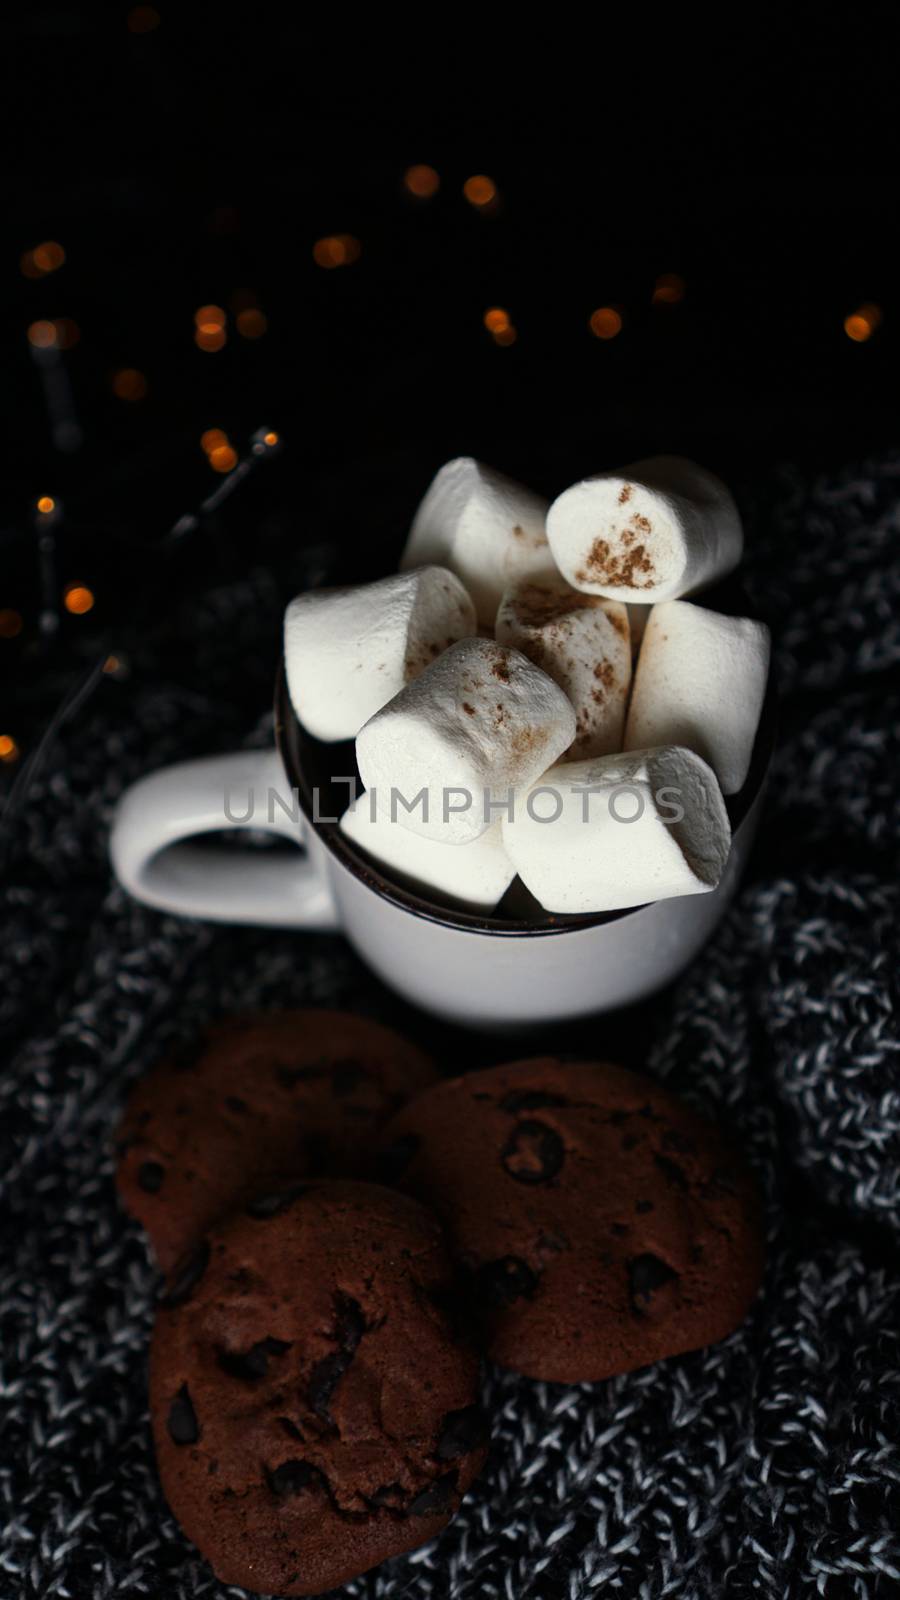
x=343 y=1235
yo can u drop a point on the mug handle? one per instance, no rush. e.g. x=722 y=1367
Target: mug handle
x=158 y=815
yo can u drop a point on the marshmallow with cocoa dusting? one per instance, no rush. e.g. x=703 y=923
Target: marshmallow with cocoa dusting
x=620 y=831
x=348 y=651
x=479 y=724
x=474 y=875
x=486 y=528
x=700 y=681
x=653 y=531
x=582 y=641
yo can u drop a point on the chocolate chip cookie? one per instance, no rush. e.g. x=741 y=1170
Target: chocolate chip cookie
x=602 y=1224
x=314 y=1405
x=257 y=1101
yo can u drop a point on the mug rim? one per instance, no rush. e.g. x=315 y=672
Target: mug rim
x=287 y=738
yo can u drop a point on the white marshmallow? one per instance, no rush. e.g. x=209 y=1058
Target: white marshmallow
x=476 y=875
x=654 y=531
x=482 y=720
x=583 y=643
x=700 y=681
x=484 y=527
x=348 y=651
x=593 y=858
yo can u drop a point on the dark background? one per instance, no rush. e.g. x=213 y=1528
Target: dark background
x=183 y=158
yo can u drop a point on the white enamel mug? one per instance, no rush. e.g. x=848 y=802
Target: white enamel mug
x=487 y=972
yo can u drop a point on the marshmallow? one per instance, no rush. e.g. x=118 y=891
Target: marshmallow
x=656 y=530
x=583 y=643
x=623 y=844
x=481 y=721
x=475 y=875
x=700 y=681
x=348 y=651
x=484 y=527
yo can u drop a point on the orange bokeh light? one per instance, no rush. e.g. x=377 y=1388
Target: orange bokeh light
x=46 y=504
x=210 y=317
x=11 y=624
x=212 y=438
x=421 y=181
x=861 y=325
x=668 y=289
x=42 y=335
x=222 y=458
x=210 y=336
x=337 y=250
x=143 y=19
x=480 y=191
x=44 y=258
x=505 y=336
x=606 y=322
x=251 y=323
x=9 y=750
x=496 y=319
x=129 y=384
x=78 y=599
x=270 y=439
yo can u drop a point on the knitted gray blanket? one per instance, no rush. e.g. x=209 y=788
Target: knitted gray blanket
x=766 y=1466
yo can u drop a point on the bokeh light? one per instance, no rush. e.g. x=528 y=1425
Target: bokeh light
x=606 y=322
x=78 y=599
x=211 y=439
x=222 y=458
x=863 y=322
x=496 y=319
x=480 y=191
x=129 y=384
x=251 y=323
x=143 y=19
x=46 y=504
x=421 y=181
x=43 y=259
x=337 y=250
x=42 y=335
x=668 y=289
x=9 y=750
x=11 y=624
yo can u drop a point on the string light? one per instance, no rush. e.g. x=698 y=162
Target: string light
x=78 y=599
x=9 y=750
x=143 y=19
x=46 y=505
x=43 y=259
x=863 y=322
x=11 y=624
x=421 y=181
x=668 y=289
x=129 y=384
x=251 y=323
x=480 y=191
x=337 y=250
x=606 y=322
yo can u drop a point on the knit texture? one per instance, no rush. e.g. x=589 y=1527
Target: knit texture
x=768 y=1465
